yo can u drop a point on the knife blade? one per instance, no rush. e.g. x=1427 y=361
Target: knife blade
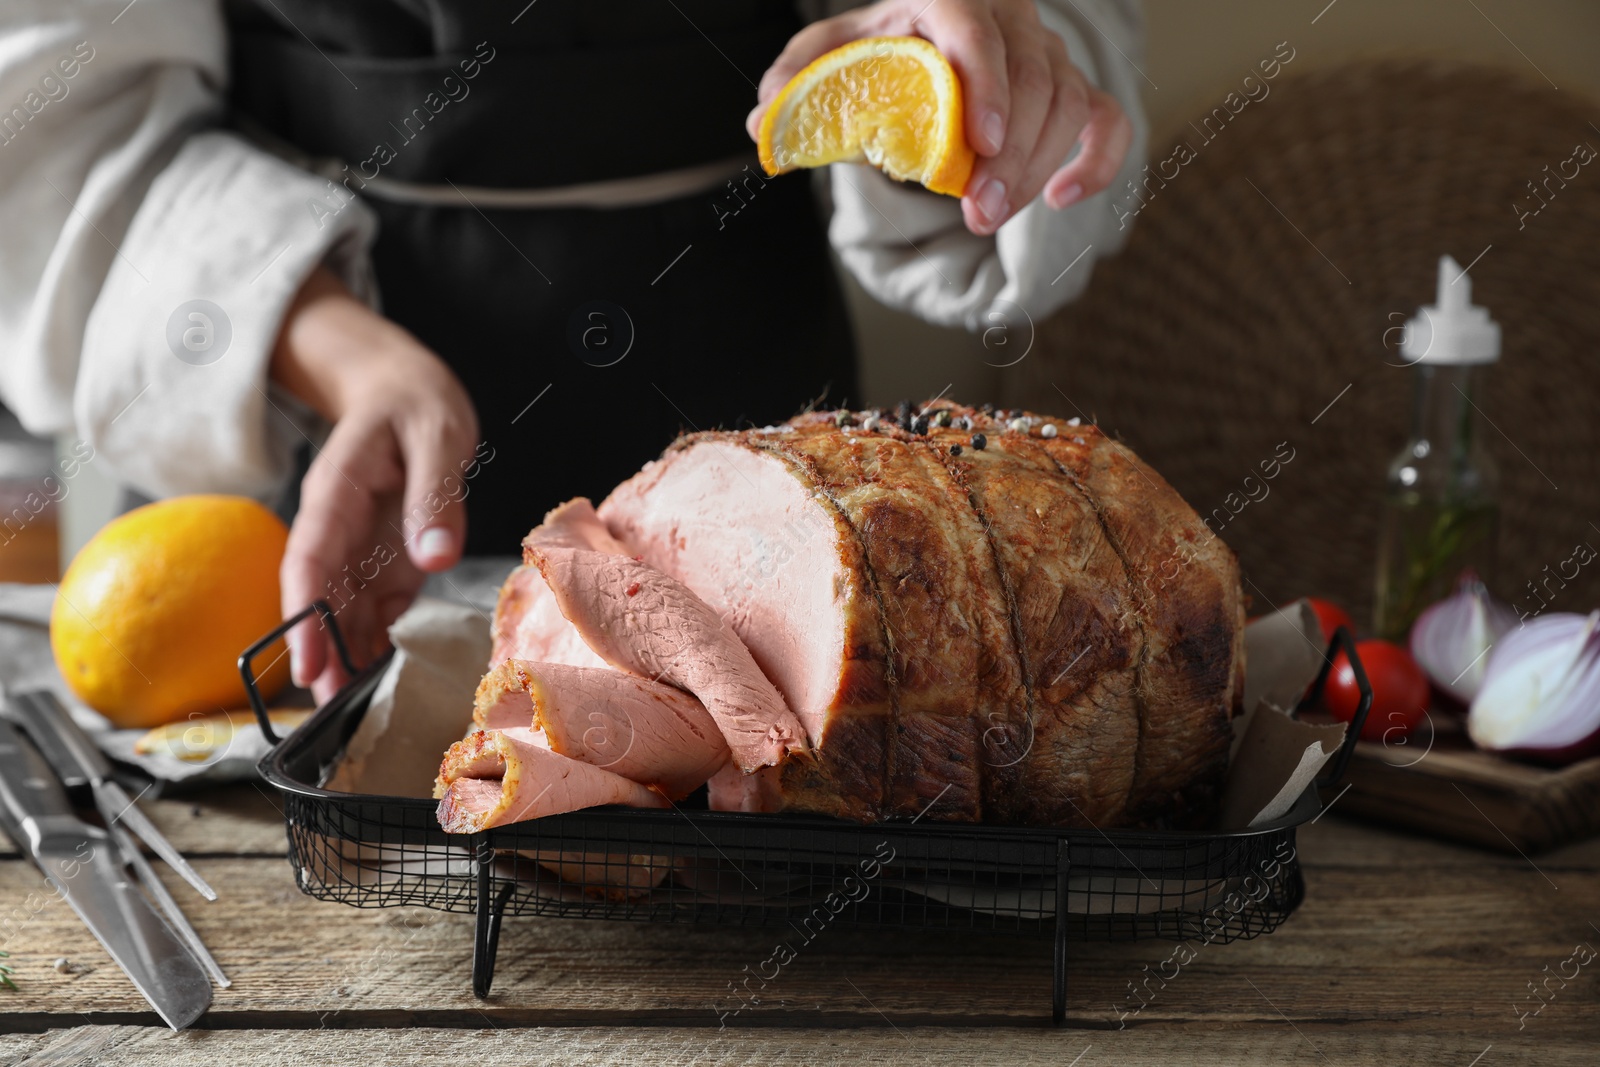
x=78 y=759
x=82 y=865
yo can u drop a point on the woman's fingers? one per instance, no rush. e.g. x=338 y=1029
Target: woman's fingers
x=437 y=451
x=328 y=683
x=1105 y=140
x=997 y=187
x=1070 y=113
x=337 y=500
x=971 y=40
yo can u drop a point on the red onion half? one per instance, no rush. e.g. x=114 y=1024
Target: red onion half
x=1450 y=640
x=1541 y=695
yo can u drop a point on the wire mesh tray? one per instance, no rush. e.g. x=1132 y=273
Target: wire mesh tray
x=808 y=872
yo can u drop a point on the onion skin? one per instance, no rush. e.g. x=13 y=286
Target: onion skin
x=1450 y=639
x=1540 y=699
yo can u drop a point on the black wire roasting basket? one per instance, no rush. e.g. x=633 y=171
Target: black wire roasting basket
x=809 y=873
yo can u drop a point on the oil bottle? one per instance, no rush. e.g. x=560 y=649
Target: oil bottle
x=1440 y=508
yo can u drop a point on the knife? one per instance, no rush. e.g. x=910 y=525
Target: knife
x=80 y=861
x=78 y=763
x=169 y=907
x=78 y=760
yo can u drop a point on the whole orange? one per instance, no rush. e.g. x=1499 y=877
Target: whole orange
x=152 y=614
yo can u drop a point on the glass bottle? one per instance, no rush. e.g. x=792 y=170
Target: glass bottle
x=1440 y=507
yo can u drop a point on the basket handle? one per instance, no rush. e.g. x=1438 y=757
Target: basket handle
x=1341 y=640
x=247 y=659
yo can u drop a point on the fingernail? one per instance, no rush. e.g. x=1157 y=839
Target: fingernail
x=434 y=542
x=991 y=199
x=297 y=671
x=1069 y=196
x=994 y=130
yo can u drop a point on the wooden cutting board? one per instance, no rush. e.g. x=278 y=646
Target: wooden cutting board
x=1451 y=789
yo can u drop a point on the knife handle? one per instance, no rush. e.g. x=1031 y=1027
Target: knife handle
x=39 y=714
x=30 y=793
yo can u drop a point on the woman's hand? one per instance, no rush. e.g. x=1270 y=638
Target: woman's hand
x=382 y=502
x=1026 y=104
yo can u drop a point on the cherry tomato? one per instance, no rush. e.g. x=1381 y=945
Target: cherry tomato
x=1400 y=693
x=1330 y=617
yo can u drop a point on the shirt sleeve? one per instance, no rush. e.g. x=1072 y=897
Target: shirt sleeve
x=910 y=249
x=150 y=257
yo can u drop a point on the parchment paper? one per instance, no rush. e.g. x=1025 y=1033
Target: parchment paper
x=422 y=704
x=1275 y=757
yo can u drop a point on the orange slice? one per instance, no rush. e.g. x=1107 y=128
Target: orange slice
x=893 y=102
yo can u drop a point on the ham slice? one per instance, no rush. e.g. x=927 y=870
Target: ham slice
x=494 y=777
x=527 y=623
x=640 y=620
x=645 y=731
x=575 y=525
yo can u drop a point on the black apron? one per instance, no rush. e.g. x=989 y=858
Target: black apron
x=587 y=337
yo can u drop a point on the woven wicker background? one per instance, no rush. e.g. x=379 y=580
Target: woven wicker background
x=1221 y=331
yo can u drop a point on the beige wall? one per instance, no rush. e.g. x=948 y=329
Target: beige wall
x=1200 y=50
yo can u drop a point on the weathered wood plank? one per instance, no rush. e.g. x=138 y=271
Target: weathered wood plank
x=1403 y=950
x=233 y=820
x=1336 y=841
x=1201 y=1046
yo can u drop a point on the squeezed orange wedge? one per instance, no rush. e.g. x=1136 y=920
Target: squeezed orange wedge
x=893 y=102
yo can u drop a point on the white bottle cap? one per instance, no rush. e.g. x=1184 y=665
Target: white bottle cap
x=1454 y=330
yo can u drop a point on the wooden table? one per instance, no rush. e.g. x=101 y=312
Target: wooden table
x=1405 y=951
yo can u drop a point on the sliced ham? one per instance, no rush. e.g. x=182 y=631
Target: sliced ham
x=640 y=620
x=645 y=731
x=791 y=578
x=575 y=524
x=527 y=623
x=494 y=777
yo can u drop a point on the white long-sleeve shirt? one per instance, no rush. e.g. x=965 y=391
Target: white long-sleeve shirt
x=121 y=206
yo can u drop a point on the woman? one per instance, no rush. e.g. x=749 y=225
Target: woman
x=559 y=206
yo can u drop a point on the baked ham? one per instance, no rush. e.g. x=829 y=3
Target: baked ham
x=952 y=613
x=1030 y=627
